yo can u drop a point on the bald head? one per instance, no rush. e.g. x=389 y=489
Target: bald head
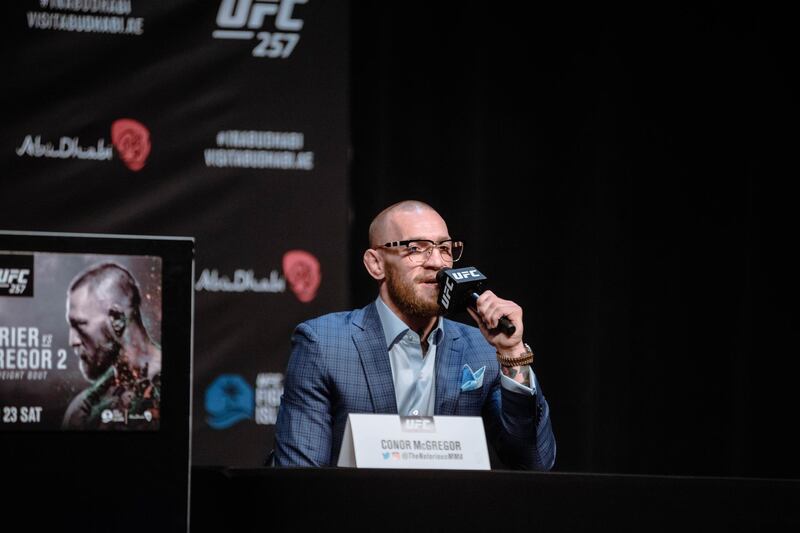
x=390 y=223
x=111 y=285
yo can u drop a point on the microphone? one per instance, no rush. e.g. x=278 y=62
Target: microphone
x=459 y=288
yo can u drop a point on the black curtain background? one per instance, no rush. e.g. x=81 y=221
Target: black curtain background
x=626 y=175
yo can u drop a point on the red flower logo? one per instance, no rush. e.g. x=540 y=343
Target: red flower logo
x=303 y=273
x=132 y=140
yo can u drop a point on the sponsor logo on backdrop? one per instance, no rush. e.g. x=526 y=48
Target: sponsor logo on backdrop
x=303 y=272
x=65 y=148
x=231 y=399
x=16 y=275
x=132 y=140
x=130 y=137
x=241 y=281
x=269 y=389
x=241 y=20
x=301 y=269
x=86 y=16
x=282 y=150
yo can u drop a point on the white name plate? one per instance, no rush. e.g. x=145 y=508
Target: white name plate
x=423 y=442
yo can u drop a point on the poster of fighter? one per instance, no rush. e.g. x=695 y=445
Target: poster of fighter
x=80 y=341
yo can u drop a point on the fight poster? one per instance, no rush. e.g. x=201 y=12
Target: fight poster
x=80 y=341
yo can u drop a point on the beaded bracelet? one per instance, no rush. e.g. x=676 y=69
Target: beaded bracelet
x=525 y=358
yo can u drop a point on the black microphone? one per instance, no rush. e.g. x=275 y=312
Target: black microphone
x=459 y=288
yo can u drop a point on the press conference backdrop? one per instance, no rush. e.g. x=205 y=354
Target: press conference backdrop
x=651 y=253
x=224 y=120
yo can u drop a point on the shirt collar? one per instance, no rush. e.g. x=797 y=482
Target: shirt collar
x=394 y=328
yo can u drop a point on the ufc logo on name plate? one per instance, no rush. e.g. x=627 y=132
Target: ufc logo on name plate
x=241 y=20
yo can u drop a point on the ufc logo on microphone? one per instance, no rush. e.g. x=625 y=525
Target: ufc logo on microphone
x=471 y=273
x=446 y=293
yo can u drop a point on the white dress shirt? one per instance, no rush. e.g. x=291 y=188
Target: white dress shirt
x=414 y=372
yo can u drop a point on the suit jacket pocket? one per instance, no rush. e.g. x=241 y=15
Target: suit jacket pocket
x=470 y=403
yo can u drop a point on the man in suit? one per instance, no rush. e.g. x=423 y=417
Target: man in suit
x=398 y=355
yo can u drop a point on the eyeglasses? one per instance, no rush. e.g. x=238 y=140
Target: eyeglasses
x=419 y=251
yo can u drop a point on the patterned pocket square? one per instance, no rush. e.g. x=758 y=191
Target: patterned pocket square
x=471 y=380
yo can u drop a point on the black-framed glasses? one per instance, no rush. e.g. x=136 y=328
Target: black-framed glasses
x=419 y=251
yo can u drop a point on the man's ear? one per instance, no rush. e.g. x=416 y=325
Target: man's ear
x=374 y=264
x=117 y=319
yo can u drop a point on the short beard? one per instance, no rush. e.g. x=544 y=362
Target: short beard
x=110 y=352
x=411 y=304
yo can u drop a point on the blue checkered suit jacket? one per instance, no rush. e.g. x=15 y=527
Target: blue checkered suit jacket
x=339 y=365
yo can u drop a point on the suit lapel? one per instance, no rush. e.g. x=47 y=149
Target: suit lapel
x=448 y=372
x=371 y=345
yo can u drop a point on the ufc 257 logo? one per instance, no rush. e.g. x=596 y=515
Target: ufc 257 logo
x=240 y=20
x=16 y=275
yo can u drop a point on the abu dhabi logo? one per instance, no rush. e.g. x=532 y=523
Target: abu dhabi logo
x=130 y=137
x=65 y=148
x=301 y=270
x=238 y=20
x=242 y=281
x=132 y=140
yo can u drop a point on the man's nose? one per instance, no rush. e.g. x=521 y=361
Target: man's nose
x=74 y=338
